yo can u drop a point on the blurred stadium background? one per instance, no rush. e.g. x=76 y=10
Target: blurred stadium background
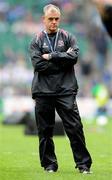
x=20 y=20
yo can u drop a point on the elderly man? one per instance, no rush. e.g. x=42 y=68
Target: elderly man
x=54 y=53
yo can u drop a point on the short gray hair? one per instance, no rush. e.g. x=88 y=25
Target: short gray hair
x=51 y=7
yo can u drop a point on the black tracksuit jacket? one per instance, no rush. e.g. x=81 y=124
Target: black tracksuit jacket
x=57 y=75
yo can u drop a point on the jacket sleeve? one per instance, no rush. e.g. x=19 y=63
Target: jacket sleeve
x=39 y=63
x=67 y=58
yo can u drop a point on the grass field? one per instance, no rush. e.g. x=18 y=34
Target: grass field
x=19 y=155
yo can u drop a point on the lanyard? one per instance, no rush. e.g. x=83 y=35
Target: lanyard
x=49 y=42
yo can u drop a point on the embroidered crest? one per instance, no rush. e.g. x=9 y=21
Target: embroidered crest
x=60 y=43
x=45 y=45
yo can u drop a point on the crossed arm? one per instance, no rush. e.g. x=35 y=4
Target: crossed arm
x=50 y=61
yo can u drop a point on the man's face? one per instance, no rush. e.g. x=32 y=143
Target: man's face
x=51 y=21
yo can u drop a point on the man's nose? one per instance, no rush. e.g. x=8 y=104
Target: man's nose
x=54 y=20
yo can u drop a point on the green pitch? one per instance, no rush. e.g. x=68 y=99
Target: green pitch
x=19 y=155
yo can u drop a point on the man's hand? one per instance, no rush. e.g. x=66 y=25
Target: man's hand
x=69 y=50
x=45 y=56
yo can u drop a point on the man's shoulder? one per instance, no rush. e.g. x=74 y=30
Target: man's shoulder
x=64 y=32
x=39 y=35
x=36 y=38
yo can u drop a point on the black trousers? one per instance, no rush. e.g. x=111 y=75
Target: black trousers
x=67 y=109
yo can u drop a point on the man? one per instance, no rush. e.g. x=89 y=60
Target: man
x=53 y=54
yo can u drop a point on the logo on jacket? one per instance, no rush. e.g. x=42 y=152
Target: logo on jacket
x=60 y=43
x=45 y=45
